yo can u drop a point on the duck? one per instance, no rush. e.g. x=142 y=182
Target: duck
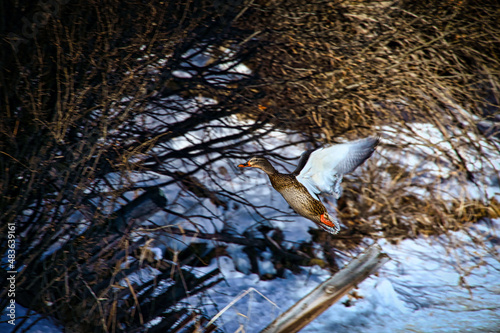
x=319 y=171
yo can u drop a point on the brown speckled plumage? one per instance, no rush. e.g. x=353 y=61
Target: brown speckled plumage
x=297 y=196
x=293 y=192
x=330 y=163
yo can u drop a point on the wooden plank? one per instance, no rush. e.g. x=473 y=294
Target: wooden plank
x=329 y=292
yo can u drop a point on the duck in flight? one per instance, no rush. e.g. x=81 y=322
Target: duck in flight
x=318 y=171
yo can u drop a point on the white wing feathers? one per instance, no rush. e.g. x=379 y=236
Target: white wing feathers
x=325 y=167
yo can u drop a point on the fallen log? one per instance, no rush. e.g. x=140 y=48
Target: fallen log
x=329 y=292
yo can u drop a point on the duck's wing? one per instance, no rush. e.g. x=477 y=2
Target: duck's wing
x=323 y=170
x=302 y=161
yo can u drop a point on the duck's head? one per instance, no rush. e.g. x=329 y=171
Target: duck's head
x=259 y=162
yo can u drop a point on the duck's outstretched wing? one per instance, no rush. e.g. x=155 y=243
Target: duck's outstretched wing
x=323 y=170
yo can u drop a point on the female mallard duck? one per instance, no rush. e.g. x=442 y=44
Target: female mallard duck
x=318 y=171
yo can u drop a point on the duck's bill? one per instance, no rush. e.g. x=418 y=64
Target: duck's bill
x=246 y=165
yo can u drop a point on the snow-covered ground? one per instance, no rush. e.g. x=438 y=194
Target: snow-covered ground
x=435 y=284
x=424 y=288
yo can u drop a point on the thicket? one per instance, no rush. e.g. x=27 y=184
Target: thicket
x=95 y=98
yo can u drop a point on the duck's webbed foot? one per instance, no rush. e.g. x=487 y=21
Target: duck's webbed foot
x=327 y=224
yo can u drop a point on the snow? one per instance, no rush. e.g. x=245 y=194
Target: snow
x=448 y=283
x=41 y=325
x=421 y=289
